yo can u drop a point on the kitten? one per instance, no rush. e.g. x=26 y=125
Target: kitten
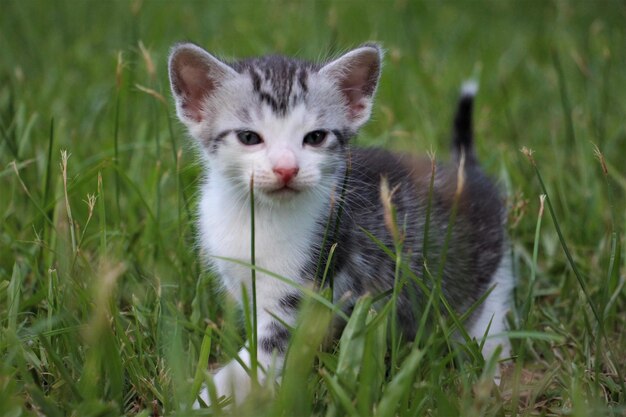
x=287 y=124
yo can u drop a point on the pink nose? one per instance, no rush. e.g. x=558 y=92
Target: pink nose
x=286 y=174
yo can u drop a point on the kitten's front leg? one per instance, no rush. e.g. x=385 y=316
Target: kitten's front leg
x=235 y=381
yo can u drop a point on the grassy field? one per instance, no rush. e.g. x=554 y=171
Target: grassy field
x=105 y=308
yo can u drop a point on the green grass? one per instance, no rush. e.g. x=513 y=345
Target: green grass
x=105 y=308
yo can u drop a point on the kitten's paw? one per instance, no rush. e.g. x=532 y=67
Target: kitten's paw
x=204 y=396
x=230 y=381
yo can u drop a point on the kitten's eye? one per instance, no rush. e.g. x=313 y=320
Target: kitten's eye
x=249 y=138
x=315 y=138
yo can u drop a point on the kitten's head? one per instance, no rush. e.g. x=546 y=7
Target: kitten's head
x=283 y=122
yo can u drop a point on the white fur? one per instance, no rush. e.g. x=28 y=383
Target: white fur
x=283 y=229
x=285 y=220
x=493 y=312
x=225 y=231
x=469 y=88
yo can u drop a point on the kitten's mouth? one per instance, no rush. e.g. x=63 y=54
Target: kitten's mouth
x=283 y=191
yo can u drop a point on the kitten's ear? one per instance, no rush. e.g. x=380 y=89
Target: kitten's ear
x=194 y=76
x=356 y=73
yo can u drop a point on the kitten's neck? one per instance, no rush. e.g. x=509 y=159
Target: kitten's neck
x=284 y=233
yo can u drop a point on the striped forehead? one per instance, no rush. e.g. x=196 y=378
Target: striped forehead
x=278 y=82
x=282 y=129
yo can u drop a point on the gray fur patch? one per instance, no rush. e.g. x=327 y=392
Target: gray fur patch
x=474 y=251
x=278 y=82
x=277 y=340
x=213 y=143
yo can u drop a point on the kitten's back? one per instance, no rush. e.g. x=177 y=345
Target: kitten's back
x=475 y=247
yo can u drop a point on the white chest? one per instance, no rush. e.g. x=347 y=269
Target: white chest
x=283 y=238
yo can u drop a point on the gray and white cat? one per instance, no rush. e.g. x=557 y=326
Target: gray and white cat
x=287 y=124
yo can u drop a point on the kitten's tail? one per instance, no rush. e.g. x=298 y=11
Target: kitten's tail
x=463 y=136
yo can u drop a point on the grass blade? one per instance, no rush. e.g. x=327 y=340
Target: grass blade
x=564 y=245
x=203 y=360
x=255 y=331
x=304 y=289
x=399 y=385
x=572 y=264
x=533 y=272
x=351 y=345
x=14 y=295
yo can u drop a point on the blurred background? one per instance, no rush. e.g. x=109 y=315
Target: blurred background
x=50 y=50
